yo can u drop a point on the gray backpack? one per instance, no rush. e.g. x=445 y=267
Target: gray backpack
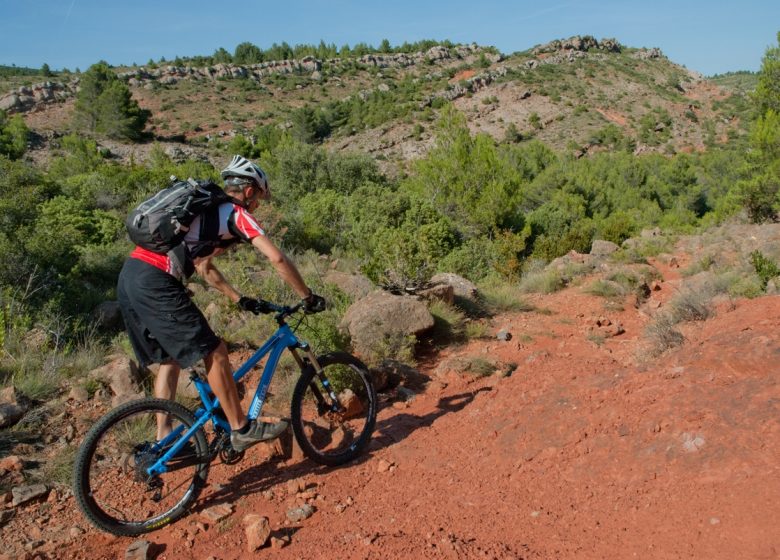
x=160 y=223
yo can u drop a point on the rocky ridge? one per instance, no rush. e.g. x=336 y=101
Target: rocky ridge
x=30 y=98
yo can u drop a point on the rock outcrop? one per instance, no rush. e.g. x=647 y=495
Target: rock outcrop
x=578 y=43
x=28 y=98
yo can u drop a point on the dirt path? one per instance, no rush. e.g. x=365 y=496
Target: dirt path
x=583 y=452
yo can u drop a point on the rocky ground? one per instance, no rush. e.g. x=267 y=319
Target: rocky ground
x=580 y=445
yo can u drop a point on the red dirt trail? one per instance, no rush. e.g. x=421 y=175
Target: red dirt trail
x=587 y=451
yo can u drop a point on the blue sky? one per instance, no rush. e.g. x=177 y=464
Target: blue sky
x=708 y=36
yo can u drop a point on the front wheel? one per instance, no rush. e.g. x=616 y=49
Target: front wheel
x=111 y=483
x=332 y=431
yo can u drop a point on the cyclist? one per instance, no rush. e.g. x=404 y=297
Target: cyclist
x=166 y=327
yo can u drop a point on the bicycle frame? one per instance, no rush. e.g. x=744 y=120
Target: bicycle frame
x=282 y=339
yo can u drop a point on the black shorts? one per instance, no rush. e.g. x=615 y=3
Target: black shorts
x=162 y=321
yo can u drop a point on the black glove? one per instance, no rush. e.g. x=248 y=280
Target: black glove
x=256 y=306
x=313 y=304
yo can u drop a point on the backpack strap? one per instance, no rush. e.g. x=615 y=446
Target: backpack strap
x=227 y=198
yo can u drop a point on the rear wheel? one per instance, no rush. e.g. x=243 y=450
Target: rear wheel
x=334 y=431
x=110 y=481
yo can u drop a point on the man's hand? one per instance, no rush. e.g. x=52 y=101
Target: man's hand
x=313 y=304
x=256 y=306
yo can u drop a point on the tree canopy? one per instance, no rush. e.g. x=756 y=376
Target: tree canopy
x=104 y=106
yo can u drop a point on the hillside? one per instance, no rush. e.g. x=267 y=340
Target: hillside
x=579 y=95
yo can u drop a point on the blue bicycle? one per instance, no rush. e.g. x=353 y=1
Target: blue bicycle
x=127 y=482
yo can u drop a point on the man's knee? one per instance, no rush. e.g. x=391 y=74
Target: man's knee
x=218 y=357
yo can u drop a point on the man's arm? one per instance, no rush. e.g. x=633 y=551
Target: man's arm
x=214 y=278
x=284 y=267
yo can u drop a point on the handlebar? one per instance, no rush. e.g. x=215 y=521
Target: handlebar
x=284 y=311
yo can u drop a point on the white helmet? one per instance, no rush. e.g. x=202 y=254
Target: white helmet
x=243 y=168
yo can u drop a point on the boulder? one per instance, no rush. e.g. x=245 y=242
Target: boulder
x=37 y=339
x=12 y=407
x=602 y=248
x=355 y=286
x=460 y=286
x=440 y=292
x=122 y=375
x=78 y=394
x=381 y=315
x=301 y=513
x=10 y=414
x=8 y=395
x=570 y=258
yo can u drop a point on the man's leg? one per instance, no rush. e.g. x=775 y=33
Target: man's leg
x=165 y=388
x=221 y=380
x=243 y=433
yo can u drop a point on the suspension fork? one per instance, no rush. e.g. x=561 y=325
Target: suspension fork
x=309 y=360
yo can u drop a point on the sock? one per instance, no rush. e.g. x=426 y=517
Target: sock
x=245 y=429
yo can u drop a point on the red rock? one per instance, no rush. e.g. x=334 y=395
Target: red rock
x=217 y=513
x=257 y=529
x=12 y=463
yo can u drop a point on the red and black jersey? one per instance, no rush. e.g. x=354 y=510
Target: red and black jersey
x=218 y=227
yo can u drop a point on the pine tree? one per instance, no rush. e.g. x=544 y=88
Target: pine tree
x=767 y=94
x=105 y=106
x=760 y=190
x=247 y=53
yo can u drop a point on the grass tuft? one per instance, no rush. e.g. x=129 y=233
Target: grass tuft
x=662 y=335
x=691 y=306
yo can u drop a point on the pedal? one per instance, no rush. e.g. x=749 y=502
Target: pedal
x=230 y=456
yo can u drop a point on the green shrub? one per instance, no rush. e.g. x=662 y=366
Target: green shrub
x=704 y=263
x=749 y=287
x=480 y=367
x=542 y=282
x=605 y=288
x=500 y=296
x=477 y=329
x=449 y=323
x=393 y=346
x=13 y=136
x=765 y=268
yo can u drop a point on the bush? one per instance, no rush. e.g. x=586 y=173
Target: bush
x=542 y=282
x=449 y=323
x=690 y=306
x=480 y=367
x=13 y=136
x=765 y=269
x=605 y=288
x=500 y=296
x=662 y=335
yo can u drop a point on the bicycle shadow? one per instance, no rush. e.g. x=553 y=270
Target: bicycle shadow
x=388 y=431
x=398 y=427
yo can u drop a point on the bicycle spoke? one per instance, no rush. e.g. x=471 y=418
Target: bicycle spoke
x=113 y=484
x=334 y=431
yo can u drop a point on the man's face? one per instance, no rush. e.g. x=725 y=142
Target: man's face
x=252 y=196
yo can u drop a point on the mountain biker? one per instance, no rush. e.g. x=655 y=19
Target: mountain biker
x=166 y=327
